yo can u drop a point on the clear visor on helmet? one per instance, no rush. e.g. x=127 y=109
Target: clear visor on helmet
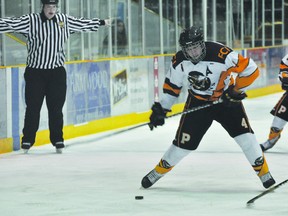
x=195 y=52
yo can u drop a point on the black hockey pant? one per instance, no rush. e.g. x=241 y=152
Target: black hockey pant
x=51 y=85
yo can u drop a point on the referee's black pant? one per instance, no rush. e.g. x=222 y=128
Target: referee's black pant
x=51 y=84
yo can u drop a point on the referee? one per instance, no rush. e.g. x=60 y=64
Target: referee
x=45 y=76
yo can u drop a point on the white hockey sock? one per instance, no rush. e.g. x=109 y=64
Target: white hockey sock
x=175 y=154
x=249 y=146
x=278 y=123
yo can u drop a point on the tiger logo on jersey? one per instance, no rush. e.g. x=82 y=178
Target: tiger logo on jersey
x=199 y=81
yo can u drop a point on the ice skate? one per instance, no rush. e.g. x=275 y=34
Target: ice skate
x=26 y=146
x=159 y=171
x=263 y=173
x=267 y=180
x=151 y=178
x=59 y=147
x=274 y=136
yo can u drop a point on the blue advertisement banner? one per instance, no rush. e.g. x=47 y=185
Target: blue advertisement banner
x=88 y=92
x=268 y=61
x=273 y=60
x=3 y=107
x=15 y=109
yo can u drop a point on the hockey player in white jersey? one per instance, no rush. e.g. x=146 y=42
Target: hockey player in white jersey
x=208 y=67
x=280 y=110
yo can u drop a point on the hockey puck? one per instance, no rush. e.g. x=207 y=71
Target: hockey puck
x=139 y=197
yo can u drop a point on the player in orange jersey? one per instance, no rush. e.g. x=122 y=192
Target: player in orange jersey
x=207 y=67
x=280 y=109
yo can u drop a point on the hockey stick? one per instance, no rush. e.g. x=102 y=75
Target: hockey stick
x=176 y=114
x=251 y=201
x=190 y=110
x=110 y=134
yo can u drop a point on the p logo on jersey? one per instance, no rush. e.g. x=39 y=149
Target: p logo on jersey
x=282 y=109
x=199 y=81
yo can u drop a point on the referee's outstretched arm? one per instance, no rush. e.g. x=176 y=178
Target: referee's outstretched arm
x=45 y=76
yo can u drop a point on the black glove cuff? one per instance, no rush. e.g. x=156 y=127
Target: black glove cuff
x=232 y=98
x=102 y=22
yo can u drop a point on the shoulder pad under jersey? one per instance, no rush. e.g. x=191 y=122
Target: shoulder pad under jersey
x=285 y=60
x=178 y=58
x=216 y=52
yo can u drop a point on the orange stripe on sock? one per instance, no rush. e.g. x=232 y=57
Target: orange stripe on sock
x=261 y=169
x=161 y=169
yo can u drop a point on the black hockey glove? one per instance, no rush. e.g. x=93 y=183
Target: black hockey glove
x=284 y=83
x=232 y=98
x=158 y=115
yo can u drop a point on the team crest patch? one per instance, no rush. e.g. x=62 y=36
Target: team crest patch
x=61 y=24
x=199 y=81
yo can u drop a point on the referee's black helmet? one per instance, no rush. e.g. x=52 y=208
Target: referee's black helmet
x=49 y=1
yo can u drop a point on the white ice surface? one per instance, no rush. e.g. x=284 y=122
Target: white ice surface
x=101 y=176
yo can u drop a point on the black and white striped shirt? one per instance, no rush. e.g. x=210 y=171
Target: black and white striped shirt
x=46 y=38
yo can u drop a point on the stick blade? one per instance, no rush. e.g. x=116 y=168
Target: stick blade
x=251 y=201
